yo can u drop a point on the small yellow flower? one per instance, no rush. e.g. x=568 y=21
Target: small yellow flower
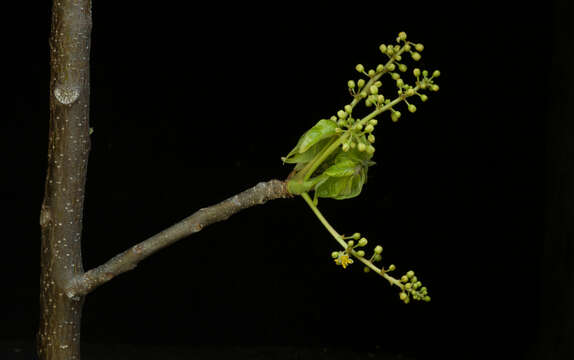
x=343 y=259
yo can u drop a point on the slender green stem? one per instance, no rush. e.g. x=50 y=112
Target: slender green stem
x=342 y=242
x=324 y=221
x=325 y=154
x=308 y=170
x=381 y=272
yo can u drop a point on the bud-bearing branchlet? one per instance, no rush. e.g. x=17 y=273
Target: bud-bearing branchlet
x=335 y=155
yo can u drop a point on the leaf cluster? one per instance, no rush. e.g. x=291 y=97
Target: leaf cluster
x=342 y=174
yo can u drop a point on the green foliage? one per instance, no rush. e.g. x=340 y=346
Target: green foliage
x=333 y=157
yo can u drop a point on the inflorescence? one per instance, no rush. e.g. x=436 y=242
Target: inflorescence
x=332 y=158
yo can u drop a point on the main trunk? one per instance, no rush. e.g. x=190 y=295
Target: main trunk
x=68 y=148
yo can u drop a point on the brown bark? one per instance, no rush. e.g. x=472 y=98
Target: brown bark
x=68 y=148
x=83 y=284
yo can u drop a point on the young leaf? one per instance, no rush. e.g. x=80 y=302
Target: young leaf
x=323 y=129
x=307 y=155
x=343 y=168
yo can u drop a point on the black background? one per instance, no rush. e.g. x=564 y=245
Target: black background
x=191 y=106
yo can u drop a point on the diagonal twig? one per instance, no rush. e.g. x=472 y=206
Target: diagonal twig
x=128 y=260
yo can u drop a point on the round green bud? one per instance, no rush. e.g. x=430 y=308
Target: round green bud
x=341 y=114
x=395 y=115
x=361 y=147
x=403 y=296
x=380 y=99
x=351 y=84
x=356 y=236
x=335 y=254
x=348 y=109
x=416 y=56
x=380 y=67
x=391 y=67
x=350 y=243
x=395 y=76
x=417 y=72
x=425 y=73
x=434 y=87
x=408 y=286
x=414 y=279
x=374 y=90
x=360 y=68
x=377 y=257
x=361 y=253
x=369 y=128
x=373 y=122
x=333 y=118
x=436 y=73
x=404 y=279
x=396 y=48
x=363 y=94
x=368 y=102
x=424 y=98
x=410 y=274
x=410 y=92
x=424 y=289
x=407 y=47
x=390 y=50
x=402 y=67
x=371 y=138
x=370 y=149
x=419 y=47
x=378 y=83
x=383 y=48
x=392 y=267
x=398 y=57
x=358 y=127
x=371 y=73
x=412 y=108
x=378 y=249
x=402 y=35
x=426 y=298
x=353 y=145
x=338 y=130
x=363 y=242
x=341 y=123
x=366 y=269
x=361 y=83
x=400 y=83
x=345 y=147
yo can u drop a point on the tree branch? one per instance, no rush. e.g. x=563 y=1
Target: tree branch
x=128 y=260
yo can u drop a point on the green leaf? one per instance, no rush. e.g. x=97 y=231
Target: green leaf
x=307 y=155
x=346 y=175
x=343 y=168
x=340 y=188
x=323 y=129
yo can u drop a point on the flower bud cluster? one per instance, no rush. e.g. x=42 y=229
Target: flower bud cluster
x=370 y=90
x=413 y=288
